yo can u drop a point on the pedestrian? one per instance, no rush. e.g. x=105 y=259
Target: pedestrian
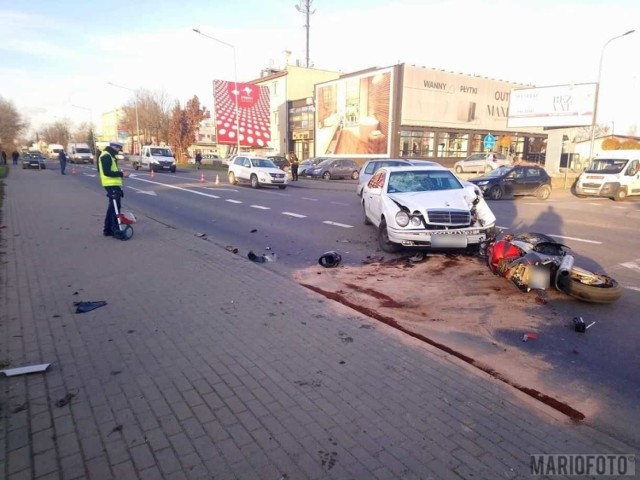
x=198 y=159
x=111 y=179
x=15 y=156
x=293 y=160
x=4 y=157
x=63 y=161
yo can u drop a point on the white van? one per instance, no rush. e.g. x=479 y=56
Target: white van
x=614 y=174
x=54 y=149
x=79 y=153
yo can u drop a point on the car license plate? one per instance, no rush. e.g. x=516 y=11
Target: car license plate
x=448 y=241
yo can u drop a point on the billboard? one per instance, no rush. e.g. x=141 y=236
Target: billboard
x=352 y=115
x=254 y=118
x=436 y=98
x=556 y=106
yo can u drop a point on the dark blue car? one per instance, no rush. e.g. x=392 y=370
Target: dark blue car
x=516 y=180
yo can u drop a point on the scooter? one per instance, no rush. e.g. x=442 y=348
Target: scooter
x=537 y=261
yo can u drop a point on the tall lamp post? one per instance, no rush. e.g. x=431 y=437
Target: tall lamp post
x=595 y=105
x=93 y=133
x=236 y=93
x=136 y=105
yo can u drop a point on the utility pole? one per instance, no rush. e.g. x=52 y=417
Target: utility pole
x=305 y=7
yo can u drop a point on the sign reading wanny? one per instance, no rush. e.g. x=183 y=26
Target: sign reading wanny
x=557 y=106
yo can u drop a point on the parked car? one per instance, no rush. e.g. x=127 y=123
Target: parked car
x=518 y=180
x=309 y=162
x=258 y=171
x=281 y=162
x=335 y=168
x=481 y=162
x=34 y=160
x=425 y=207
x=371 y=166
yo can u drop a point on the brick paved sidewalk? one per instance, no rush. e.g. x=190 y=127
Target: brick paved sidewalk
x=196 y=369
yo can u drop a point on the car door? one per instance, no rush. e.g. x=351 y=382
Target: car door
x=372 y=197
x=533 y=179
x=515 y=182
x=337 y=168
x=475 y=163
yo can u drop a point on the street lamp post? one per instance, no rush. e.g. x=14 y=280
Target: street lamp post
x=136 y=106
x=595 y=104
x=236 y=92
x=93 y=133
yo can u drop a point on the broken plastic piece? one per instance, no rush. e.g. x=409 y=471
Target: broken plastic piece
x=590 y=325
x=231 y=248
x=82 y=307
x=529 y=335
x=330 y=259
x=11 y=372
x=256 y=258
x=271 y=258
x=579 y=325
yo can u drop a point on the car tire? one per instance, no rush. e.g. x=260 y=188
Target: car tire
x=282 y=187
x=621 y=194
x=232 y=178
x=383 y=239
x=496 y=192
x=355 y=175
x=326 y=175
x=458 y=169
x=544 y=192
x=254 y=181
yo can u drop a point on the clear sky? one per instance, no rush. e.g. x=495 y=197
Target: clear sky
x=59 y=53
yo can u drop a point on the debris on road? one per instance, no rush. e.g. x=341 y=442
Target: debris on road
x=201 y=235
x=529 y=336
x=256 y=258
x=254 y=230
x=579 y=325
x=330 y=259
x=83 y=307
x=231 y=249
x=11 y=372
x=590 y=325
x=65 y=400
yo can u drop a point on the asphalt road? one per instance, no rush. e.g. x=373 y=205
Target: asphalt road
x=310 y=217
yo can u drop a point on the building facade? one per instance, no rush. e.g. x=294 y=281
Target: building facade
x=417 y=112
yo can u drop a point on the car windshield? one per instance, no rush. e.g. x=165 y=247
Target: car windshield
x=325 y=163
x=498 y=172
x=422 y=181
x=607 y=165
x=83 y=150
x=262 y=163
x=161 y=152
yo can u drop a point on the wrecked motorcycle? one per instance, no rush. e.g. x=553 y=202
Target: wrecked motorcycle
x=536 y=261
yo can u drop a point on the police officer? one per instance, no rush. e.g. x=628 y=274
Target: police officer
x=111 y=179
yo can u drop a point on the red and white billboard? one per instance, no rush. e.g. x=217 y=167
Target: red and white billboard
x=253 y=124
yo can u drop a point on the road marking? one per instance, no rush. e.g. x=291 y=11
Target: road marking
x=576 y=239
x=635 y=265
x=297 y=215
x=260 y=207
x=312 y=199
x=338 y=203
x=221 y=189
x=168 y=185
x=637 y=289
x=232 y=201
x=137 y=190
x=343 y=225
x=596 y=204
x=89 y=174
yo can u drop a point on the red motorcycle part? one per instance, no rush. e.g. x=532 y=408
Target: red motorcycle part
x=498 y=252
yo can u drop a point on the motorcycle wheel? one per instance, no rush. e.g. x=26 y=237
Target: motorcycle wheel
x=590 y=287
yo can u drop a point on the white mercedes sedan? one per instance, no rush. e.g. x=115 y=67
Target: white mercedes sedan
x=425 y=207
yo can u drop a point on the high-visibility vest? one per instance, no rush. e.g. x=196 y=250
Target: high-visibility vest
x=109 y=181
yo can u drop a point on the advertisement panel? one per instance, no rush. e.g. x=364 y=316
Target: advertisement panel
x=436 y=98
x=352 y=116
x=254 y=119
x=556 y=106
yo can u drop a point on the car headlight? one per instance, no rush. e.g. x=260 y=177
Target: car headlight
x=402 y=218
x=416 y=221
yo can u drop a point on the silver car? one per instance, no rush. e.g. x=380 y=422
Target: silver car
x=481 y=162
x=371 y=166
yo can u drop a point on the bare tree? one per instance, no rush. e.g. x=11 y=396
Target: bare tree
x=154 y=115
x=584 y=133
x=11 y=124
x=57 y=132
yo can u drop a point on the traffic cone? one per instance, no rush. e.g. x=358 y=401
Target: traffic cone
x=153 y=173
x=217 y=179
x=202 y=177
